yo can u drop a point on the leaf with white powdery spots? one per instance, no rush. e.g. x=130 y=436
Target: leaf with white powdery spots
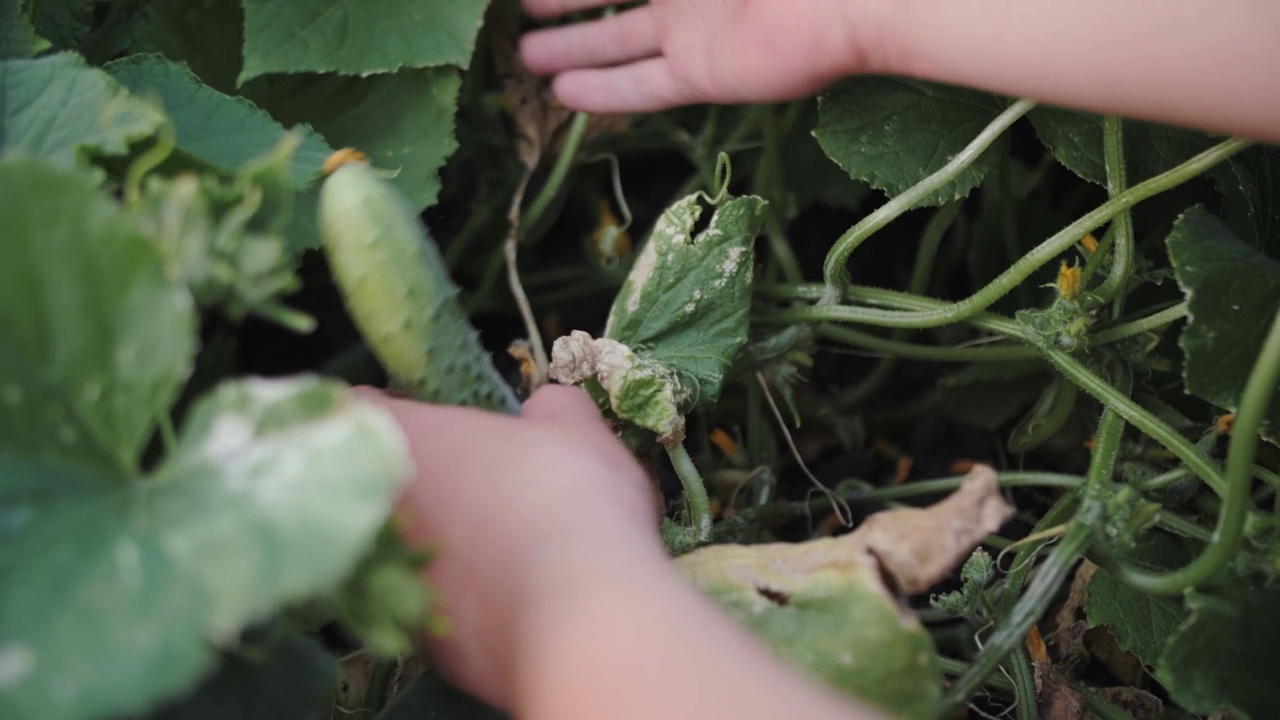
x=678 y=321
x=274 y=491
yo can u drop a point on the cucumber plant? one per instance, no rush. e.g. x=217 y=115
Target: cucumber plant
x=187 y=291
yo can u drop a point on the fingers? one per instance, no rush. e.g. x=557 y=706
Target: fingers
x=643 y=86
x=631 y=35
x=555 y=8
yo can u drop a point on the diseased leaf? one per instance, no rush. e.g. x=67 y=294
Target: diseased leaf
x=824 y=604
x=1233 y=292
x=1225 y=655
x=358 y=37
x=60 y=109
x=1075 y=139
x=17 y=38
x=290 y=680
x=893 y=133
x=95 y=340
x=404 y=122
x=220 y=131
x=686 y=301
x=273 y=493
x=678 y=321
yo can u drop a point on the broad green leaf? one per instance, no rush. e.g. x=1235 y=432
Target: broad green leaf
x=1233 y=292
x=204 y=35
x=17 y=38
x=1141 y=624
x=1224 y=657
x=1075 y=139
x=404 y=122
x=291 y=680
x=1250 y=185
x=118 y=595
x=65 y=23
x=686 y=301
x=58 y=108
x=221 y=131
x=429 y=697
x=358 y=37
x=95 y=340
x=893 y=133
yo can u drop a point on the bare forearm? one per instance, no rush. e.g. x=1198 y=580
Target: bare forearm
x=1210 y=64
x=645 y=645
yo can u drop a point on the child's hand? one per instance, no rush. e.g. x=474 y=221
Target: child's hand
x=521 y=510
x=678 y=52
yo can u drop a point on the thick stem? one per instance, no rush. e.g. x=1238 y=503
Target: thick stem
x=834 y=269
x=1137 y=327
x=912 y=351
x=1039 y=256
x=1122 y=254
x=1133 y=413
x=695 y=491
x=1024 y=684
x=1229 y=533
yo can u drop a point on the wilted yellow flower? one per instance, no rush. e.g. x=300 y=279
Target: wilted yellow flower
x=1069 y=281
x=1090 y=243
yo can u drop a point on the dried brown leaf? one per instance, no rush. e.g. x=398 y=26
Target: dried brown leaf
x=914 y=548
x=918 y=547
x=1069 y=633
x=1141 y=704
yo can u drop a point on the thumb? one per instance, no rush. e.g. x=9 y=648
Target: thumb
x=563 y=405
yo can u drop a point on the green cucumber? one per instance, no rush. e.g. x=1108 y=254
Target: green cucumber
x=398 y=292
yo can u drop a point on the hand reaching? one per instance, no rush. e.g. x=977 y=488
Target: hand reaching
x=669 y=53
x=522 y=510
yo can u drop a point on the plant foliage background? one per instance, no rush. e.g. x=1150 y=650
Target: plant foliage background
x=193 y=509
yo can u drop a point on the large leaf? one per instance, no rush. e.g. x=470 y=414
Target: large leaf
x=1250 y=185
x=59 y=108
x=95 y=340
x=404 y=122
x=17 y=38
x=1141 y=624
x=1233 y=292
x=118 y=595
x=893 y=133
x=221 y=131
x=1224 y=657
x=204 y=35
x=1075 y=139
x=291 y=680
x=357 y=37
x=65 y=23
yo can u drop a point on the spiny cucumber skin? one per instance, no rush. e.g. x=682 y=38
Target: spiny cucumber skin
x=400 y=295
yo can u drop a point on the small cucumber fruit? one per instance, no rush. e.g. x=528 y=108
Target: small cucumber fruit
x=399 y=293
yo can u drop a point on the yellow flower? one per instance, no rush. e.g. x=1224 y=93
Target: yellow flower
x=1090 y=243
x=1069 y=281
